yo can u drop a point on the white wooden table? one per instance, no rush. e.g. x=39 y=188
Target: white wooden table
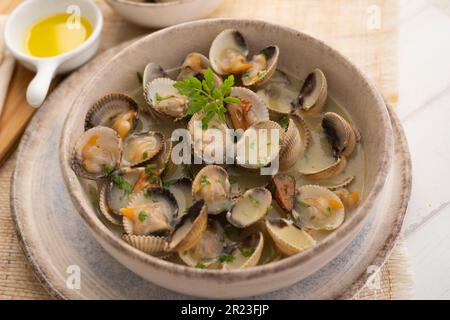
x=424 y=109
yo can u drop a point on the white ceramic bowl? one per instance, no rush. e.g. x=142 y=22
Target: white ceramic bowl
x=31 y=11
x=300 y=54
x=163 y=14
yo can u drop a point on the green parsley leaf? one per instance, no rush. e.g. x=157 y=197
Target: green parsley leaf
x=122 y=184
x=303 y=204
x=158 y=97
x=144 y=155
x=149 y=168
x=255 y=202
x=200 y=265
x=109 y=169
x=204 y=181
x=142 y=216
x=247 y=252
x=226 y=258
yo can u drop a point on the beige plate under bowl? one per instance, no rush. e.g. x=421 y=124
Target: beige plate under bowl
x=55 y=238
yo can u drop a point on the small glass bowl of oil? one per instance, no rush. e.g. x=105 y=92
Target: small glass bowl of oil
x=52 y=37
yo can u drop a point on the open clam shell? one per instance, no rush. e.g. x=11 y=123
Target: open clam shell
x=292 y=147
x=340 y=134
x=116 y=110
x=264 y=64
x=257 y=147
x=213 y=186
x=317 y=208
x=304 y=130
x=150 y=212
x=228 y=53
x=152 y=71
x=341 y=184
x=193 y=64
x=97 y=153
x=313 y=94
x=248 y=253
x=190 y=228
x=148 y=244
x=141 y=147
x=182 y=191
x=163 y=98
x=250 y=110
x=209 y=248
x=251 y=207
x=289 y=238
x=328 y=172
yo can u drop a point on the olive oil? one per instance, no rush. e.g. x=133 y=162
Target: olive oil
x=56 y=35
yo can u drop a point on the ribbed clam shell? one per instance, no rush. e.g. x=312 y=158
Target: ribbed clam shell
x=304 y=130
x=330 y=221
x=109 y=107
x=253 y=260
x=328 y=172
x=340 y=134
x=272 y=54
x=164 y=87
x=151 y=143
x=115 y=144
x=104 y=208
x=148 y=244
x=292 y=146
x=227 y=39
x=258 y=111
x=190 y=228
x=152 y=71
x=182 y=191
x=193 y=63
x=298 y=242
x=313 y=95
x=342 y=184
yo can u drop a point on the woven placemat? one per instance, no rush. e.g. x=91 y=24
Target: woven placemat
x=363 y=30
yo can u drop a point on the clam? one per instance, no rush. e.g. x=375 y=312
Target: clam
x=256 y=148
x=189 y=229
x=341 y=184
x=250 y=110
x=212 y=185
x=182 y=191
x=147 y=219
x=193 y=64
x=317 y=208
x=207 y=140
x=313 y=93
x=141 y=147
x=278 y=95
x=228 y=53
x=162 y=160
x=163 y=98
x=152 y=71
x=97 y=153
x=150 y=212
x=328 y=172
x=303 y=128
x=264 y=64
x=209 y=248
x=248 y=252
x=283 y=189
x=292 y=147
x=116 y=111
x=115 y=192
x=340 y=134
x=251 y=207
x=289 y=238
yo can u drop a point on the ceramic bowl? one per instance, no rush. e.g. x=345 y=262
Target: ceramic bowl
x=31 y=11
x=300 y=54
x=164 y=13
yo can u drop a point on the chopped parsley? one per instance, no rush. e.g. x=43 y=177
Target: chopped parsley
x=284 y=121
x=226 y=258
x=158 y=97
x=109 y=169
x=149 y=168
x=303 y=204
x=255 y=202
x=167 y=184
x=261 y=73
x=122 y=184
x=144 y=155
x=142 y=216
x=247 y=252
x=200 y=265
x=204 y=181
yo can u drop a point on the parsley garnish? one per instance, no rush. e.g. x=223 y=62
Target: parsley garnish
x=109 y=169
x=200 y=265
x=204 y=181
x=158 y=97
x=284 y=121
x=144 y=155
x=226 y=258
x=142 y=216
x=261 y=73
x=149 y=168
x=255 y=202
x=122 y=184
x=205 y=96
x=247 y=252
